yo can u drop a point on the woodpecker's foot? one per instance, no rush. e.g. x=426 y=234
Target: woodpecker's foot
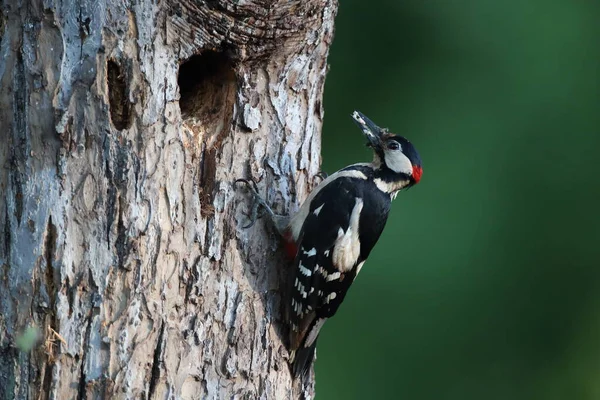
x=318 y=179
x=322 y=175
x=260 y=208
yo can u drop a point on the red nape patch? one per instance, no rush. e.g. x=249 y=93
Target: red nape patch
x=290 y=246
x=417 y=172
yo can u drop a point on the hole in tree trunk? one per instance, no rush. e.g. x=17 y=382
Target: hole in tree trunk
x=207 y=87
x=120 y=108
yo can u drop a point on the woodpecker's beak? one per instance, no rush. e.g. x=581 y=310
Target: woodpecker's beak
x=371 y=131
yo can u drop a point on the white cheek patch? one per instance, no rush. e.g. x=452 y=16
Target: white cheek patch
x=398 y=162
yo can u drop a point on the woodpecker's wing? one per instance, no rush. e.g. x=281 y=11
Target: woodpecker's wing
x=330 y=252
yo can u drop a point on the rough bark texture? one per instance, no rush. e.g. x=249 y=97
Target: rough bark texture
x=123 y=126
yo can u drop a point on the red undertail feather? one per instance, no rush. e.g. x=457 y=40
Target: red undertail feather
x=290 y=245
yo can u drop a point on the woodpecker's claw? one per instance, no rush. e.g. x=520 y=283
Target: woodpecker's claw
x=254 y=187
x=258 y=204
x=323 y=175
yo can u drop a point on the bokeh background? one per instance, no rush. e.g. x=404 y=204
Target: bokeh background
x=486 y=282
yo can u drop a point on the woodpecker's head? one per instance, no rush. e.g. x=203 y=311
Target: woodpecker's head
x=392 y=151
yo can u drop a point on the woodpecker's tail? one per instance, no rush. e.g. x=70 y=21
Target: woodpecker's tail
x=302 y=360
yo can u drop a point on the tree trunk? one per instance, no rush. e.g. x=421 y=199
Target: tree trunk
x=123 y=128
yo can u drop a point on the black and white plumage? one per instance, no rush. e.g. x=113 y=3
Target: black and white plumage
x=344 y=222
x=334 y=231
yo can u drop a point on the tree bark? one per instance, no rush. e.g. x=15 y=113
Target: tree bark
x=123 y=128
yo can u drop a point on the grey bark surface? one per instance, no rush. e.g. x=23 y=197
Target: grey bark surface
x=123 y=126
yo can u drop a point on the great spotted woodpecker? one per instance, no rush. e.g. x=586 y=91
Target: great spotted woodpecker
x=334 y=231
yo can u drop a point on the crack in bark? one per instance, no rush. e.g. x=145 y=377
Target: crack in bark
x=224 y=367
x=155 y=370
x=49 y=250
x=154 y=261
x=111 y=191
x=18 y=191
x=70 y=291
x=120 y=108
x=208 y=167
x=121 y=244
x=111 y=202
x=2 y=25
x=116 y=204
x=7 y=240
x=51 y=288
x=123 y=151
x=82 y=386
x=81 y=395
x=190 y=326
x=19 y=146
x=191 y=281
x=136 y=172
x=236 y=304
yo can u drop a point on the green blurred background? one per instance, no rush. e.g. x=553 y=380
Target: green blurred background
x=486 y=282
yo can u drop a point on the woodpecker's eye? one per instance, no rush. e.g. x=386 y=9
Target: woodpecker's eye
x=393 y=145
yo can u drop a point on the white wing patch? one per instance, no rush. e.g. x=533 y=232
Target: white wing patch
x=347 y=246
x=297 y=307
x=318 y=210
x=300 y=287
x=331 y=296
x=310 y=253
x=324 y=274
x=322 y=271
x=304 y=271
x=333 y=276
x=297 y=221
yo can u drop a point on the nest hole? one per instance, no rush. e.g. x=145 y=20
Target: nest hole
x=207 y=86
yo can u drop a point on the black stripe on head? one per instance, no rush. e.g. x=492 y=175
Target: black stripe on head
x=407 y=148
